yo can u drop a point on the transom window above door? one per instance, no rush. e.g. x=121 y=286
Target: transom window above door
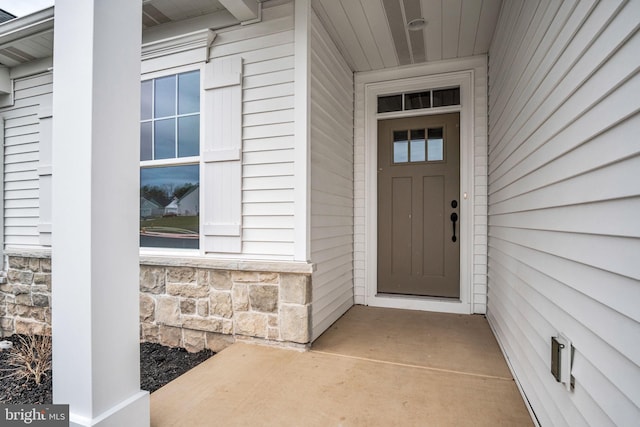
x=411 y=146
x=419 y=100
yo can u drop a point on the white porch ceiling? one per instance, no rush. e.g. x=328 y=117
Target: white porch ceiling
x=372 y=34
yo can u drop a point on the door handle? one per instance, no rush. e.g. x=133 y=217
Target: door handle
x=454 y=218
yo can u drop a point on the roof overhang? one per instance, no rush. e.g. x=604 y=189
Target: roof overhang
x=27 y=38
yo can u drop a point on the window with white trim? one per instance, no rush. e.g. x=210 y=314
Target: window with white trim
x=170 y=161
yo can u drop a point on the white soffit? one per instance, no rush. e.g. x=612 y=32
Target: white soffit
x=373 y=34
x=27 y=38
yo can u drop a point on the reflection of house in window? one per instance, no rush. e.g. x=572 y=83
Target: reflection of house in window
x=172 y=208
x=149 y=208
x=187 y=205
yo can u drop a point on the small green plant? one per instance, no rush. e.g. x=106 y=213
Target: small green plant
x=30 y=359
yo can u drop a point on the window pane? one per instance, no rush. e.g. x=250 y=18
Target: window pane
x=417 y=145
x=188 y=136
x=400 y=135
x=444 y=97
x=146 y=99
x=400 y=152
x=189 y=93
x=435 y=145
x=400 y=146
x=170 y=207
x=414 y=101
x=146 y=141
x=165 y=139
x=165 y=97
x=389 y=103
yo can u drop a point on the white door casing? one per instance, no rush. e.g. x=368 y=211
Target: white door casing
x=472 y=224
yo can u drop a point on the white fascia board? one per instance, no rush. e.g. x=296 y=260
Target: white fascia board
x=243 y=10
x=25 y=26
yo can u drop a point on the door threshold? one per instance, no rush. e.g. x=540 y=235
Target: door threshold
x=420 y=297
x=420 y=303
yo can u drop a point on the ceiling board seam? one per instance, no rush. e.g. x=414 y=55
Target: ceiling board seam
x=424 y=32
x=475 y=35
x=459 y=28
x=483 y=9
x=441 y=29
x=371 y=31
x=356 y=34
x=345 y=34
x=338 y=42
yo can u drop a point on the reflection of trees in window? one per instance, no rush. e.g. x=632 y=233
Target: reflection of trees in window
x=155 y=194
x=165 y=194
x=183 y=189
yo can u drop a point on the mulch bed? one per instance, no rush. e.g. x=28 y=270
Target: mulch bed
x=158 y=366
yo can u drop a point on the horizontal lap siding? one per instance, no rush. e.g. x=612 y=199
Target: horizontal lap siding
x=331 y=180
x=268 y=141
x=21 y=157
x=564 y=197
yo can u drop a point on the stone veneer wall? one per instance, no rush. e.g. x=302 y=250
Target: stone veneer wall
x=200 y=307
x=25 y=296
x=194 y=306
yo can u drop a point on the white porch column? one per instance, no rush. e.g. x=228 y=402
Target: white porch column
x=96 y=108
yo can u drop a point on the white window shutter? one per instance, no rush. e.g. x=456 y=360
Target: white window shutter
x=222 y=156
x=45 y=117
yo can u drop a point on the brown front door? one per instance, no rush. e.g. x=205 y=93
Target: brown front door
x=418 y=190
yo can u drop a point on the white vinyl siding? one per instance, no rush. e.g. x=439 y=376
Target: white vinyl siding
x=564 y=197
x=250 y=190
x=268 y=144
x=331 y=180
x=21 y=160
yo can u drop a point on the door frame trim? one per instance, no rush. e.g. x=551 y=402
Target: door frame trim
x=464 y=79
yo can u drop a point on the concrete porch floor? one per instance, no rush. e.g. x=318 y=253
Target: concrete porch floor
x=373 y=367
